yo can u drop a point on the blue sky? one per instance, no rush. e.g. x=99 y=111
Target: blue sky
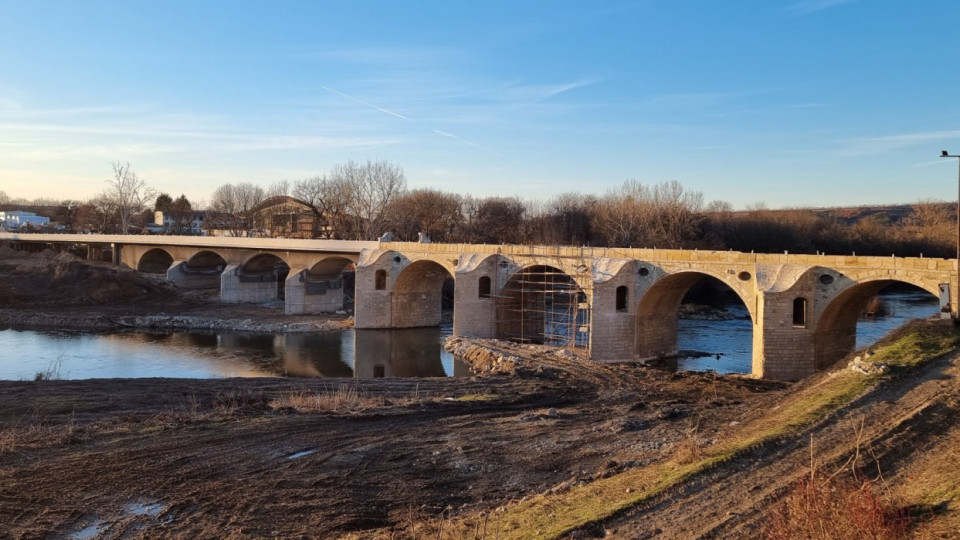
x=790 y=103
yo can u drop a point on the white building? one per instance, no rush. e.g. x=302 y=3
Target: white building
x=169 y=223
x=16 y=220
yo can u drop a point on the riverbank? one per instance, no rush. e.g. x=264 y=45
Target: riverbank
x=214 y=316
x=59 y=290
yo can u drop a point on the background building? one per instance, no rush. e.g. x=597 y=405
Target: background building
x=18 y=220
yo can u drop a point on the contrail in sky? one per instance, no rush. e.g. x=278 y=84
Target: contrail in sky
x=398 y=115
x=364 y=103
x=464 y=141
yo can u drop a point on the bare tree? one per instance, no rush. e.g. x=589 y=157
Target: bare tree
x=677 y=214
x=424 y=210
x=328 y=200
x=929 y=213
x=4 y=199
x=719 y=207
x=621 y=213
x=280 y=187
x=99 y=214
x=231 y=206
x=495 y=220
x=665 y=215
x=128 y=191
x=367 y=189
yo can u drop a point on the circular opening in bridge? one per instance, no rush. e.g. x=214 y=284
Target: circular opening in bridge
x=861 y=315
x=397 y=259
x=644 y=272
x=826 y=279
x=744 y=276
x=542 y=304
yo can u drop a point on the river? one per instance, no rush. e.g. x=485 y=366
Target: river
x=351 y=353
x=416 y=352
x=733 y=339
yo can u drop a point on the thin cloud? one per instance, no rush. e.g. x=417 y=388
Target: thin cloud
x=97 y=150
x=810 y=6
x=364 y=103
x=694 y=99
x=929 y=164
x=464 y=141
x=536 y=93
x=294 y=142
x=877 y=145
x=124 y=131
x=389 y=56
x=20 y=112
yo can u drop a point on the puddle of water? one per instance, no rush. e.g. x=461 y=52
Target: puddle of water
x=144 y=509
x=299 y=455
x=90 y=531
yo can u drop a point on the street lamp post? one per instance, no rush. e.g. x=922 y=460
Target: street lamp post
x=956 y=308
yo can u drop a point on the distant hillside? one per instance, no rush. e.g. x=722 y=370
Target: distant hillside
x=851 y=215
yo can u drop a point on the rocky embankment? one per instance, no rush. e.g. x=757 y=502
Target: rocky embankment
x=50 y=318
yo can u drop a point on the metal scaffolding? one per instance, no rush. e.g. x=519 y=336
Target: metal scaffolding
x=542 y=304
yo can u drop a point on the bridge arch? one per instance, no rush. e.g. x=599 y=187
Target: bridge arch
x=835 y=333
x=265 y=268
x=207 y=260
x=657 y=311
x=543 y=304
x=330 y=267
x=418 y=293
x=155 y=261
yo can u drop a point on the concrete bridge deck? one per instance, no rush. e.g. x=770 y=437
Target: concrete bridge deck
x=616 y=304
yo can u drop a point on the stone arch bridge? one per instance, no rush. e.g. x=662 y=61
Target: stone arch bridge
x=615 y=304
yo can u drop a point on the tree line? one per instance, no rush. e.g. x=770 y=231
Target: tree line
x=364 y=200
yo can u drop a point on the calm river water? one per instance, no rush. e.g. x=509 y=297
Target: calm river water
x=351 y=353
x=415 y=352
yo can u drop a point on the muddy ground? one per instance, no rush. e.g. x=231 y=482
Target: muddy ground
x=320 y=458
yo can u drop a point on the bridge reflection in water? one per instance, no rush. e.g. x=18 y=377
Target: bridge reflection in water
x=416 y=352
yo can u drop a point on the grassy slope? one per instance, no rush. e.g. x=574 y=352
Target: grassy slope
x=553 y=515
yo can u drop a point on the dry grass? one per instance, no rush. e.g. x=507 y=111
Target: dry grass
x=30 y=433
x=844 y=504
x=826 y=507
x=345 y=399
